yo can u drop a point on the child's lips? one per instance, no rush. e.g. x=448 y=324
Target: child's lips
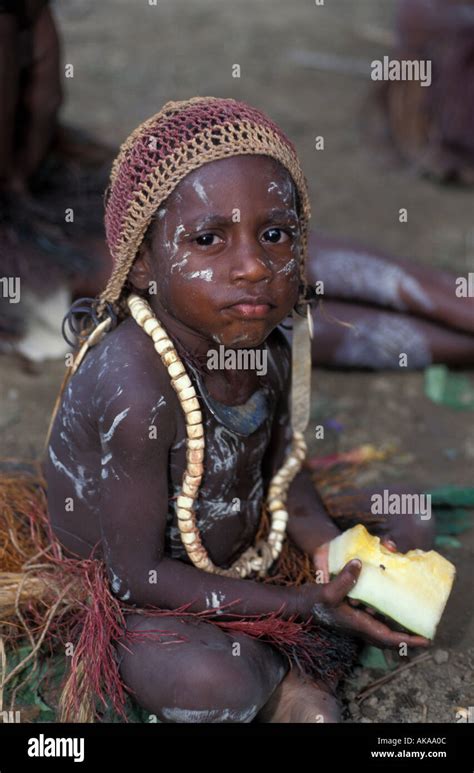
x=251 y=306
x=251 y=310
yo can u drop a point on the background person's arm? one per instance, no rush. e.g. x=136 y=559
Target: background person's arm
x=9 y=78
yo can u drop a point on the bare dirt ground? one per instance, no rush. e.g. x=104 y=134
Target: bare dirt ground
x=129 y=58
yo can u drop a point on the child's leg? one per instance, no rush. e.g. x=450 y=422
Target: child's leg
x=211 y=677
x=301 y=700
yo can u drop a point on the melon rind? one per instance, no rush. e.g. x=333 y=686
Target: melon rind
x=411 y=588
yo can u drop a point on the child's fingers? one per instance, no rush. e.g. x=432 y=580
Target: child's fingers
x=357 y=603
x=377 y=632
x=336 y=590
x=389 y=544
x=320 y=560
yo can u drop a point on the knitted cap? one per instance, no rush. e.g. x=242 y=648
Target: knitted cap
x=182 y=137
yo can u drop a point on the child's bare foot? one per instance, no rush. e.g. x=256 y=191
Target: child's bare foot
x=299 y=700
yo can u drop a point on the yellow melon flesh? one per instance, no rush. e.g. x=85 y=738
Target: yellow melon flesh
x=411 y=588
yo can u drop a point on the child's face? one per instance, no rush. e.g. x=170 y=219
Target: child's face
x=224 y=250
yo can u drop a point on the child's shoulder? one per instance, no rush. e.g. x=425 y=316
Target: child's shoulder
x=124 y=364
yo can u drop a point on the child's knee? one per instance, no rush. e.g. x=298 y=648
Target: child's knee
x=200 y=680
x=220 y=689
x=200 y=690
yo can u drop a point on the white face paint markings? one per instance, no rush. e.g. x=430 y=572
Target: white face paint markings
x=179 y=264
x=285 y=191
x=198 y=187
x=179 y=230
x=290 y=266
x=205 y=274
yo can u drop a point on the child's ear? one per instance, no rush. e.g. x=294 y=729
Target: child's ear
x=140 y=274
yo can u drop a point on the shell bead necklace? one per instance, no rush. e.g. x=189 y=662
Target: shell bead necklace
x=257 y=558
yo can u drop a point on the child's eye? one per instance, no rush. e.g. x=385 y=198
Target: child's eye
x=274 y=235
x=206 y=240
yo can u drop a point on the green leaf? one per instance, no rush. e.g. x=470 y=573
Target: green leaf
x=373 y=657
x=451 y=389
x=442 y=541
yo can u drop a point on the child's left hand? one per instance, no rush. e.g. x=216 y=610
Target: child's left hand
x=320 y=561
x=321 y=555
x=401 y=534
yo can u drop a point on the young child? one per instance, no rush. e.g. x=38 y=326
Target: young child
x=163 y=461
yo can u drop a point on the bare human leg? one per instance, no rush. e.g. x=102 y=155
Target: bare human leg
x=301 y=700
x=218 y=677
x=213 y=676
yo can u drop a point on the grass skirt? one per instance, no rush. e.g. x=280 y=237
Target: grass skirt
x=60 y=611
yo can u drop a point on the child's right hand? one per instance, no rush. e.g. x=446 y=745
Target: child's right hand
x=328 y=606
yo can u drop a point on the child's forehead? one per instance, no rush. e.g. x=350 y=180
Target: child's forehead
x=264 y=175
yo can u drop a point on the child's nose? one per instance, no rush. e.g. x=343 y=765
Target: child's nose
x=250 y=261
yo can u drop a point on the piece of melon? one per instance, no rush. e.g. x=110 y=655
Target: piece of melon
x=411 y=588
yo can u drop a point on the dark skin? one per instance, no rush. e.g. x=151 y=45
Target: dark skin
x=200 y=269
x=380 y=294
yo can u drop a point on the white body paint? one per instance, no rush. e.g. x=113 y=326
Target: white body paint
x=210 y=715
x=215 y=600
x=106 y=436
x=78 y=480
